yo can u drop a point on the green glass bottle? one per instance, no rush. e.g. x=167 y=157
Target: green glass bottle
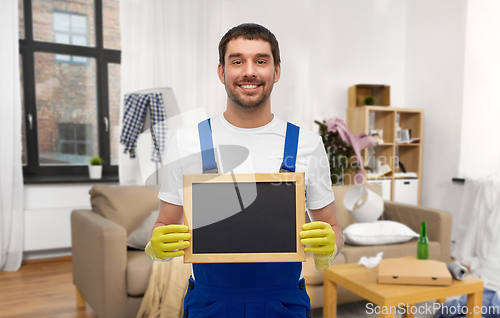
x=423 y=243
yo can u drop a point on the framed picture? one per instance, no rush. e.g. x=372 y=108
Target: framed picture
x=253 y=217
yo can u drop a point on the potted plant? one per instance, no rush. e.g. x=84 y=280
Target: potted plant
x=369 y=100
x=344 y=159
x=95 y=168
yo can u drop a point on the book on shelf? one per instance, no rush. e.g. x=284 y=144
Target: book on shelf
x=381 y=171
x=411 y=141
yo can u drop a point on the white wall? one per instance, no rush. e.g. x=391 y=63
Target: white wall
x=359 y=42
x=47 y=217
x=435 y=44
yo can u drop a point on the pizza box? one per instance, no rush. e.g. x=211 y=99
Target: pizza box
x=405 y=271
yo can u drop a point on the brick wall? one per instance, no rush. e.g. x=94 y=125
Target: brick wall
x=114 y=105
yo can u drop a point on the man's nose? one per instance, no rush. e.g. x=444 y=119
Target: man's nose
x=249 y=70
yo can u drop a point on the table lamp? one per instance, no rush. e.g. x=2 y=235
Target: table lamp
x=363 y=204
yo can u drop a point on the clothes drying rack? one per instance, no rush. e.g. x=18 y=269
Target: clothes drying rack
x=171 y=109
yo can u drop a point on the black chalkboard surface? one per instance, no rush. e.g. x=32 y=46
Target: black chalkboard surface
x=244 y=217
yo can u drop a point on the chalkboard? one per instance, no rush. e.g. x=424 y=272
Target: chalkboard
x=244 y=217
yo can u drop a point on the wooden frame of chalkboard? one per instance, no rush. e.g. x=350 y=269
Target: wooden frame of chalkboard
x=263 y=228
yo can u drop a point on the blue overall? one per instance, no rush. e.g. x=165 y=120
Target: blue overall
x=247 y=289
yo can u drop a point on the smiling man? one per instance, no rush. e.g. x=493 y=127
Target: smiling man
x=249 y=66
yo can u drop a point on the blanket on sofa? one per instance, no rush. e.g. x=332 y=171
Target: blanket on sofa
x=167 y=286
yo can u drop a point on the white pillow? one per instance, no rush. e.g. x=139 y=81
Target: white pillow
x=378 y=233
x=139 y=237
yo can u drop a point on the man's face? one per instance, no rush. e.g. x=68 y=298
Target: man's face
x=249 y=73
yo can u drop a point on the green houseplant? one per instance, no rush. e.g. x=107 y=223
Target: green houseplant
x=95 y=167
x=341 y=154
x=369 y=100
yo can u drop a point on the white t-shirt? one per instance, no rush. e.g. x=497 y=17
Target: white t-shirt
x=265 y=154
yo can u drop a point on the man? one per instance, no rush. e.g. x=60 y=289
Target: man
x=249 y=65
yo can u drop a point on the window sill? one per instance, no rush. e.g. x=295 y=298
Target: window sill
x=68 y=179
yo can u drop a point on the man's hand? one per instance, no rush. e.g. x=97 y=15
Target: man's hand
x=168 y=241
x=321 y=238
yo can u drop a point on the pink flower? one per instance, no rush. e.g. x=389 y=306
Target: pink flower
x=358 y=142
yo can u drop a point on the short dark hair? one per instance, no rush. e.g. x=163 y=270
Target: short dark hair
x=250 y=31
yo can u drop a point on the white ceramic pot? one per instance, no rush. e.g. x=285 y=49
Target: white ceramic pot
x=95 y=172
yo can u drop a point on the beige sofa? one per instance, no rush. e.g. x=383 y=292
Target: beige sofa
x=113 y=280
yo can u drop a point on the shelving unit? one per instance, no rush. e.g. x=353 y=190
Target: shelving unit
x=380 y=93
x=362 y=119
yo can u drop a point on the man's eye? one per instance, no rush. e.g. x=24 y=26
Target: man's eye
x=261 y=62
x=237 y=62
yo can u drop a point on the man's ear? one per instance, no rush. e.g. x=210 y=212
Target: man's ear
x=220 y=72
x=277 y=73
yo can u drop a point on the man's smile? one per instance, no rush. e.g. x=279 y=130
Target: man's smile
x=249 y=88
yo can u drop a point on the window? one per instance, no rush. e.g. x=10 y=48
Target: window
x=66 y=96
x=114 y=109
x=23 y=129
x=70 y=28
x=75 y=140
x=69 y=21
x=70 y=88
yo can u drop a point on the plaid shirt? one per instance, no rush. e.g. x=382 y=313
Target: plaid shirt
x=133 y=119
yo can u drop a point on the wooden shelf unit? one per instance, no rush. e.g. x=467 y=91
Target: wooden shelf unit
x=380 y=93
x=358 y=120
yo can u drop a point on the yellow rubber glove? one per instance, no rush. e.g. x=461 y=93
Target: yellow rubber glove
x=321 y=238
x=168 y=241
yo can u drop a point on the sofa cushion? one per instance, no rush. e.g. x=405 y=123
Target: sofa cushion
x=343 y=216
x=127 y=206
x=139 y=237
x=139 y=268
x=378 y=233
x=314 y=276
x=353 y=253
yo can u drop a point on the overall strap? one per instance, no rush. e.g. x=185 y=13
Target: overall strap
x=291 y=145
x=207 y=147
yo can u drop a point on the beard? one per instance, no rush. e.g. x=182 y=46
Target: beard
x=247 y=101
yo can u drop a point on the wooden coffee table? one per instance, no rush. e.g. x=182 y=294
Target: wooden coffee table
x=363 y=282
